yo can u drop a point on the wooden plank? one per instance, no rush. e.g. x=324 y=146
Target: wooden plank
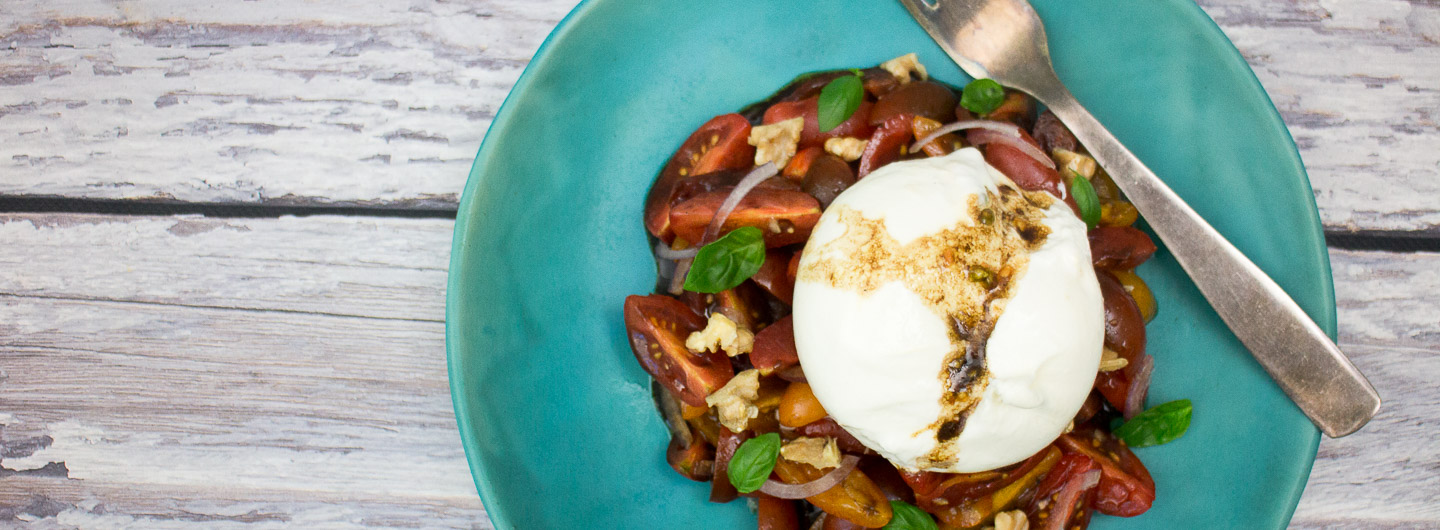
x=143 y=413
x=383 y=104
x=1357 y=82
x=171 y=400
x=371 y=267
x=261 y=101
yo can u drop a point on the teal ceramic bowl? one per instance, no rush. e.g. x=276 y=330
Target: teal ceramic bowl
x=553 y=409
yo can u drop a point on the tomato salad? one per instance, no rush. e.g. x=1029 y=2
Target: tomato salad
x=730 y=214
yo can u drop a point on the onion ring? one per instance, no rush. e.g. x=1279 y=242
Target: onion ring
x=1008 y=129
x=664 y=252
x=1139 y=386
x=775 y=488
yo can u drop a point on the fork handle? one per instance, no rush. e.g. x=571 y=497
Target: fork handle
x=1309 y=367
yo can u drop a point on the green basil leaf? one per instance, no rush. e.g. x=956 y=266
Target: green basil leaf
x=1157 y=425
x=908 y=517
x=728 y=261
x=1086 y=199
x=753 y=461
x=838 y=101
x=982 y=96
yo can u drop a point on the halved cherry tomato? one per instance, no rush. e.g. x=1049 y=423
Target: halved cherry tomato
x=798 y=407
x=1124 y=334
x=794 y=213
x=1124 y=324
x=1052 y=134
x=1025 y=171
x=721 y=143
x=1119 y=247
x=1126 y=488
x=775 y=347
x=877 y=82
x=856 y=499
x=696 y=462
x=940 y=489
x=772 y=277
x=827 y=176
x=1088 y=409
x=800 y=163
x=857 y=126
x=971 y=512
x=827 y=427
x=1062 y=501
x=919 y=98
x=721 y=490
x=1017 y=108
x=836 y=523
x=886 y=144
x=658 y=326
x=776 y=514
x=744 y=305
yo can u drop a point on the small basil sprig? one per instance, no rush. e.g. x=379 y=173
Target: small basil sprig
x=908 y=517
x=727 y=262
x=839 y=100
x=1158 y=425
x=982 y=96
x=1086 y=199
x=753 y=461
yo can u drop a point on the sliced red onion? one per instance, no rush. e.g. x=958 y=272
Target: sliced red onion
x=988 y=137
x=1009 y=129
x=663 y=251
x=775 y=488
x=677 y=282
x=742 y=189
x=1139 y=386
x=1092 y=479
x=819 y=523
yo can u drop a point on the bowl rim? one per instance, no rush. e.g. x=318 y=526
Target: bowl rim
x=1312 y=236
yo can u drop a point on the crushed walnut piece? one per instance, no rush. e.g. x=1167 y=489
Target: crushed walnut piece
x=721 y=333
x=735 y=402
x=1111 y=361
x=1011 y=520
x=846 y=147
x=776 y=142
x=820 y=453
x=901 y=67
x=1073 y=162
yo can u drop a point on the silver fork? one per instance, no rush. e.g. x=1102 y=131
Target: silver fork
x=1005 y=41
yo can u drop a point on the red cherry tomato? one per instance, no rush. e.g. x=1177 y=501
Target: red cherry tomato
x=793 y=214
x=1025 y=171
x=775 y=347
x=658 y=326
x=695 y=462
x=776 y=514
x=886 y=144
x=1119 y=248
x=773 y=277
x=1062 y=500
x=920 y=98
x=1124 y=335
x=827 y=427
x=721 y=143
x=857 y=126
x=1125 y=489
x=721 y=490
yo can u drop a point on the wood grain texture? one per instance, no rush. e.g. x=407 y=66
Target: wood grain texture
x=137 y=391
x=1358 y=82
x=384 y=103
x=377 y=103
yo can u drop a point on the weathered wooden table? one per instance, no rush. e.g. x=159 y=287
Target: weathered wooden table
x=265 y=345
